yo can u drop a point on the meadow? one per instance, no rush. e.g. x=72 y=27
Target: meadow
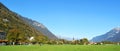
x=61 y=48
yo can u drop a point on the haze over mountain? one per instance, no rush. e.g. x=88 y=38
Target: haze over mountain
x=19 y=28
x=113 y=36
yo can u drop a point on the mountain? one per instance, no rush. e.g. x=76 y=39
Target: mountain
x=113 y=36
x=17 y=29
x=40 y=27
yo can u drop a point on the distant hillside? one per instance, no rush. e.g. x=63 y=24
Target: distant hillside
x=16 y=28
x=40 y=27
x=113 y=36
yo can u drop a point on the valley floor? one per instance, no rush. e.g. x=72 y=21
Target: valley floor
x=61 y=48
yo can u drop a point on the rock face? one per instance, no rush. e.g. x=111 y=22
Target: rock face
x=19 y=28
x=40 y=27
x=113 y=36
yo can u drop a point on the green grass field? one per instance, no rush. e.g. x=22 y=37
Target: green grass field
x=61 y=48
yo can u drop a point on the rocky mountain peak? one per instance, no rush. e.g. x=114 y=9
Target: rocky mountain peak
x=117 y=28
x=113 y=36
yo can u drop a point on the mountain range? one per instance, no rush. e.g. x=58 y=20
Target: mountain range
x=112 y=36
x=19 y=28
x=40 y=27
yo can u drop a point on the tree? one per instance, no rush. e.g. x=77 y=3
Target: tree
x=84 y=41
x=40 y=39
x=74 y=42
x=107 y=42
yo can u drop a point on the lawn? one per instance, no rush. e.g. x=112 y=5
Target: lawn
x=61 y=48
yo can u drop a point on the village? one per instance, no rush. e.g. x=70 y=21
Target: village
x=83 y=41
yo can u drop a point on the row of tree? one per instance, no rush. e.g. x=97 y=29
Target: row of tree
x=83 y=41
x=42 y=40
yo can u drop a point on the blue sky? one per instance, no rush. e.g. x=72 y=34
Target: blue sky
x=70 y=18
